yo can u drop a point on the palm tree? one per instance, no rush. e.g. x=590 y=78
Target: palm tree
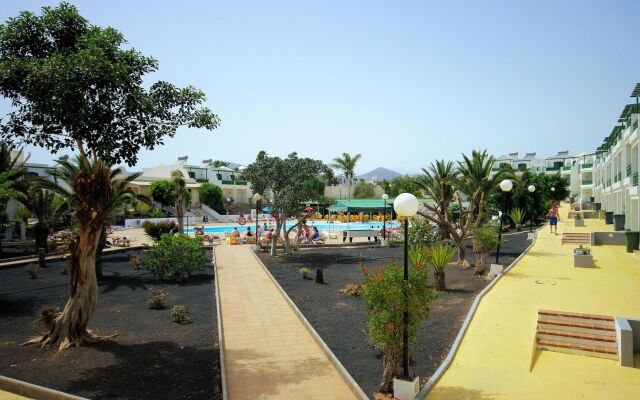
x=48 y=208
x=347 y=165
x=67 y=172
x=476 y=180
x=441 y=184
x=12 y=183
x=180 y=187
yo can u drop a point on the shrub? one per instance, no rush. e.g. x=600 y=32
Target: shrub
x=174 y=257
x=364 y=190
x=33 y=270
x=304 y=272
x=212 y=196
x=46 y=316
x=180 y=314
x=155 y=301
x=136 y=261
x=143 y=209
x=517 y=215
x=155 y=213
x=351 y=289
x=384 y=299
x=440 y=255
x=421 y=231
x=485 y=239
x=155 y=230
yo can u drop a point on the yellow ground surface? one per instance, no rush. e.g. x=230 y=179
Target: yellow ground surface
x=10 y=396
x=495 y=356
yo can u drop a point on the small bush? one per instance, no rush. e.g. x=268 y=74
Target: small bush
x=174 y=257
x=46 y=316
x=32 y=269
x=485 y=239
x=351 y=289
x=180 y=314
x=155 y=230
x=136 y=261
x=155 y=213
x=155 y=302
x=304 y=272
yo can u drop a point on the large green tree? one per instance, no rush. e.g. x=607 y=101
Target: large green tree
x=286 y=185
x=74 y=85
x=163 y=191
x=212 y=196
x=347 y=164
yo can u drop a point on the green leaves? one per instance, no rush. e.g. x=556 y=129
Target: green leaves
x=175 y=257
x=73 y=84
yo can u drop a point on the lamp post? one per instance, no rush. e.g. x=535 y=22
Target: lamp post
x=256 y=198
x=406 y=206
x=531 y=189
x=385 y=197
x=228 y=205
x=506 y=186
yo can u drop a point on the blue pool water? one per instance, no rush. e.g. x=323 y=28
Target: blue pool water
x=322 y=226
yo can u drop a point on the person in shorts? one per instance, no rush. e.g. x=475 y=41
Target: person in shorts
x=554 y=216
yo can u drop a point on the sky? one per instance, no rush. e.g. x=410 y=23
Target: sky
x=402 y=83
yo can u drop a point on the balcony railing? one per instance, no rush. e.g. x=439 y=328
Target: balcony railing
x=628 y=170
x=554 y=168
x=243 y=183
x=587 y=182
x=587 y=165
x=608 y=182
x=619 y=176
x=567 y=168
x=635 y=179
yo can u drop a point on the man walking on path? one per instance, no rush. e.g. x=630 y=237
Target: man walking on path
x=554 y=216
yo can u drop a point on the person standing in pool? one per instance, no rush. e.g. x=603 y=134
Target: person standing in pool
x=554 y=216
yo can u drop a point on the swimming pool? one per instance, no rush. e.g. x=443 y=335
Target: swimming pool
x=322 y=226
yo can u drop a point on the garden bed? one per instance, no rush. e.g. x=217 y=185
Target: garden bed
x=341 y=319
x=152 y=358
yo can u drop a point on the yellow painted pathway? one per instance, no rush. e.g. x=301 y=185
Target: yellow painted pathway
x=11 y=396
x=268 y=352
x=494 y=358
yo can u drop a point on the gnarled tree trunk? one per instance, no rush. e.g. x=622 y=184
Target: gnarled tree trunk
x=180 y=213
x=69 y=328
x=391 y=360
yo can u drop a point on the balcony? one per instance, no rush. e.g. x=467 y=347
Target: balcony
x=567 y=168
x=628 y=170
x=587 y=165
x=619 y=176
x=587 y=182
x=242 y=183
x=635 y=179
x=608 y=182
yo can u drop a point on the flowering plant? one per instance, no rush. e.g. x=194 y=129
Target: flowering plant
x=384 y=297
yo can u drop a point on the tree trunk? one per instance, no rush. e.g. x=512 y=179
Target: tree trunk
x=41 y=233
x=180 y=213
x=23 y=230
x=94 y=191
x=69 y=328
x=479 y=270
x=391 y=359
x=439 y=277
x=102 y=242
x=462 y=255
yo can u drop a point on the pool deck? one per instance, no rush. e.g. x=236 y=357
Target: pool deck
x=494 y=360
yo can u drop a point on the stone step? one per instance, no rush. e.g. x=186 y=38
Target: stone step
x=577 y=338
x=571 y=326
x=579 y=317
x=579 y=349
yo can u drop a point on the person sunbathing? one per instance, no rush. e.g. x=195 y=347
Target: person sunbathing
x=235 y=233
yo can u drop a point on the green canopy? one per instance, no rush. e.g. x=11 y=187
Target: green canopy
x=357 y=205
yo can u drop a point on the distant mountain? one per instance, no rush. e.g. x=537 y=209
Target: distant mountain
x=379 y=174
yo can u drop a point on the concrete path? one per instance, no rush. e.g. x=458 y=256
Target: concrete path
x=268 y=352
x=494 y=360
